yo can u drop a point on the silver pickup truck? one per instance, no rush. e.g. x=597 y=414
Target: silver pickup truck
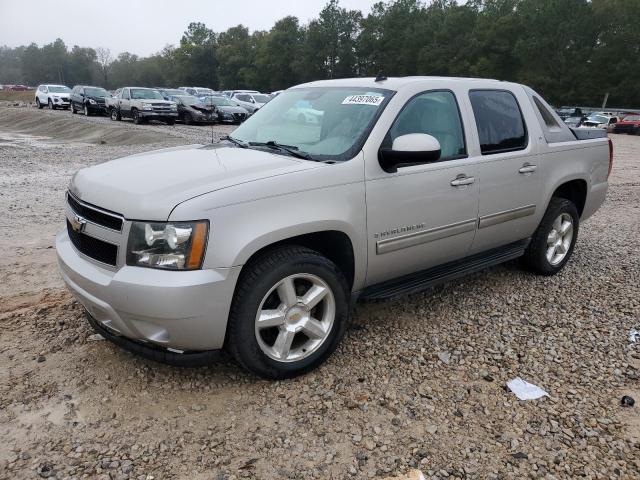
x=259 y=244
x=141 y=104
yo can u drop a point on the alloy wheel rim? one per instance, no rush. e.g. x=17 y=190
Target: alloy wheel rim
x=295 y=317
x=559 y=239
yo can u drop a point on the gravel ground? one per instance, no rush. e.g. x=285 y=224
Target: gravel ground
x=418 y=382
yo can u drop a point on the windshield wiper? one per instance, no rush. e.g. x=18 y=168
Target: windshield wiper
x=291 y=150
x=235 y=141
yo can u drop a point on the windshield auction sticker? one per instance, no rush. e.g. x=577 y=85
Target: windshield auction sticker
x=363 y=100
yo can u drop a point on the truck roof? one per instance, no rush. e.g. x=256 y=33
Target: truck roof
x=397 y=83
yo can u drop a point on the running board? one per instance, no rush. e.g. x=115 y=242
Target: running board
x=416 y=282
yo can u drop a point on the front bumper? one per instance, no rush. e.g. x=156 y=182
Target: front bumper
x=185 y=311
x=151 y=114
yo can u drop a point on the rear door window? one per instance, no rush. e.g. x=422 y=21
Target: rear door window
x=501 y=127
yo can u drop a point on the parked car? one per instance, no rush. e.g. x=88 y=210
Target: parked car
x=251 y=101
x=303 y=112
x=230 y=93
x=197 y=91
x=574 y=122
x=261 y=243
x=88 y=100
x=52 y=96
x=141 y=104
x=167 y=93
x=193 y=110
x=566 y=112
x=600 y=120
x=228 y=111
x=629 y=124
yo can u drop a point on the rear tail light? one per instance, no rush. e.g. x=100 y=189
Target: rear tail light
x=610 y=158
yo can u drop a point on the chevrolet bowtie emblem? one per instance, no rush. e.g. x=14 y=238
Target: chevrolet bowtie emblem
x=78 y=223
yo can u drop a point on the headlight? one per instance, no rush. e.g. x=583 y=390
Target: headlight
x=169 y=246
x=147 y=106
x=174 y=106
x=92 y=101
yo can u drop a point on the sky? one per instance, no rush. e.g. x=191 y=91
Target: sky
x=143 y=26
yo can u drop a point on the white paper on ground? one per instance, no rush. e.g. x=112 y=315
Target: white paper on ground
x=525 y=390
x=634 y=335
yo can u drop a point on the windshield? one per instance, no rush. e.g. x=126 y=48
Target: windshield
x=145 y=94
x=204 y=91
x=218 y=102
x=261 y=98
x=96 y=92
x=632 y=118
x=598 y=118
x=328 y=123
x=188 y=99
x=243 y=98
x=59 y=89
x=173 y=91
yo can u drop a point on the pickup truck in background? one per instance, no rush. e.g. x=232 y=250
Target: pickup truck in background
x=141 y=104
x=260 y=243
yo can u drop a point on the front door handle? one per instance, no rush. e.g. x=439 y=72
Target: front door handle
x=462 y=180
x=528 y=168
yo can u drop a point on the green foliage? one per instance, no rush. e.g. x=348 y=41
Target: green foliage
x=571 y=51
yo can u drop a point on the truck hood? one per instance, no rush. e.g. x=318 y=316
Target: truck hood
x=148 y=186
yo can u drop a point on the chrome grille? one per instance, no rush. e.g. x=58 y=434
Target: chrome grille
x=100 y=217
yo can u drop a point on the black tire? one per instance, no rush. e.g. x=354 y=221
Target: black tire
x=535 y=257
x=39 y=105
x=137 y=119
x=170 y=121
x=73 y=110
x=51 y=105
x=188 y=119
x=257 y=278
x=86 y=110
x=115 y=115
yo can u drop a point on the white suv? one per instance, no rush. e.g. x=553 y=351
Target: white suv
x=53 y=96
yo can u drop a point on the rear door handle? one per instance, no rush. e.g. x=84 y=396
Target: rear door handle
x=528 y=168
x=462 y=180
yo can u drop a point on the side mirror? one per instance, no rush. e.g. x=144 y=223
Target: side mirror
x=407 y=150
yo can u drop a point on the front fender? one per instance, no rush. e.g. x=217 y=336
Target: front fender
x=241 y=229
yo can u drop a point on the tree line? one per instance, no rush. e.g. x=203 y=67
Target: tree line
x=571 y=51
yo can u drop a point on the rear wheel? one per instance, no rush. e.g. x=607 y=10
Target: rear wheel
x=554 y=240
x=188 y=119
x=115 y=114
x=289 y=312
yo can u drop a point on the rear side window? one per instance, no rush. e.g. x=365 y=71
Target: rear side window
x=501 y=127
x=546 y=115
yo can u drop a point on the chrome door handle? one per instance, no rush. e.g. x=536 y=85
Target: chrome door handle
x=528 y=168
x=462 y=180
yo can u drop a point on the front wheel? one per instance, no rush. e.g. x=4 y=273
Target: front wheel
x=73 y=110
x=170 y=121
x=289 y=312
x=38 y=104
x=86 y=110
x=554 y=240
x=115 y=115
x=137 y=119
x=51 y=106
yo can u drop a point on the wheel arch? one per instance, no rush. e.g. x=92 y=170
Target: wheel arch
x=574 y=190
x=336 y=245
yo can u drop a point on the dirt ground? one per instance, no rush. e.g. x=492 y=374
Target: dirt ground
x=419 y=382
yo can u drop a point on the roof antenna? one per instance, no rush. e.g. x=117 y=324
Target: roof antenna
x=381 y=77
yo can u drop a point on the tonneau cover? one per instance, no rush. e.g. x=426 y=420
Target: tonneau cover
x=588 y=133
